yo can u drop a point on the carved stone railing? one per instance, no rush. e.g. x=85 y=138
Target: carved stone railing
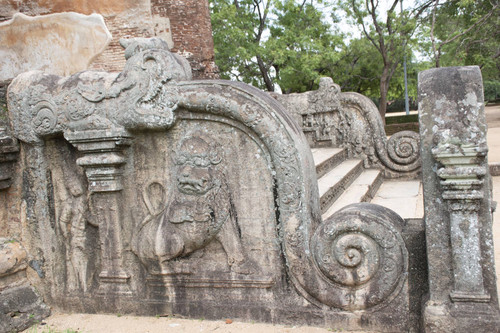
x=156 y=194
x=350 y=120
x=457 y=200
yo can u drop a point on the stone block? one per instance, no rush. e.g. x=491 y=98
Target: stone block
x=20 y=304
x=60 y=44
x=457 y=201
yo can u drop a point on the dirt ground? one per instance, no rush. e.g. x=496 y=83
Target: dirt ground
x=70 y=323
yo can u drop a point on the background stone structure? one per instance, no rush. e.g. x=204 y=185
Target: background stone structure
x=184 y=24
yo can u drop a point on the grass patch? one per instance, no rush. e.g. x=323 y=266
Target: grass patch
x=411 y=118
x=394 y=128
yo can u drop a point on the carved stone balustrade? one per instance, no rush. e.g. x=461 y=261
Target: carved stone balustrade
x=145 y=192
x=457 y=199
x=331 y=118
x=156 y=194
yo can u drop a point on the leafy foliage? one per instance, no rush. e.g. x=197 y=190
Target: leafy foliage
x=268 y=43
x=290 y=44
x=465 y=32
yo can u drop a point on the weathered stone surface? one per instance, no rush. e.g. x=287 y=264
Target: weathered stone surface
x=183 y=24
x=20 y=305
x=60 y=44
x=360 y=249
x=457 y=199
x=8 y=155
x=350 y=120
x=154 y=194
x=13 y=263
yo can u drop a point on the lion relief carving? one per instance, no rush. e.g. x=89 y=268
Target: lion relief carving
x=198 y=210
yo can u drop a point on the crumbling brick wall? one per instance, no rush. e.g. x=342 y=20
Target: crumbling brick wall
x=191 y=32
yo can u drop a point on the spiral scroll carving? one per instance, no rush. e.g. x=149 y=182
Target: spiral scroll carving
x=45 y=119
x=360 y=251
x=403 y=147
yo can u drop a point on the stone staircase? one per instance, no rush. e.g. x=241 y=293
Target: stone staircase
x=343 y=181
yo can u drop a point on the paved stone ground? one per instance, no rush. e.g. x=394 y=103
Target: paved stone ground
x=130 y=324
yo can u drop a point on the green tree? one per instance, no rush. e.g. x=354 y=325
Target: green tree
x=238 y=27
x=466 y=32
x=389 y=35
x=357 y=68
x=264 y=43
x=301 y=45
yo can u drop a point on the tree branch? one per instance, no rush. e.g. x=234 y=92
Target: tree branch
x=433 y=39
x=481 y=20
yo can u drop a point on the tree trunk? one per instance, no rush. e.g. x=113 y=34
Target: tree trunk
x=265 y=74
x=384 y=88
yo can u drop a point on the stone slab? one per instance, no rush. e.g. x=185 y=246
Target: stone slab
x=61 y=44
x=331 y=178
x=320 y=155
x=404 y=197
x=399 y=189
x=359 y=191
x=493 y=139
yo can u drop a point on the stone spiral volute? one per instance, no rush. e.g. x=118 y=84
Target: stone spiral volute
x=361 y=252
x=403 y=147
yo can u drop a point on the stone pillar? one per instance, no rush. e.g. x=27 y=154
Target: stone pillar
x=8 y=155
x=462 y=182
x=103 y=162
x=457 y=200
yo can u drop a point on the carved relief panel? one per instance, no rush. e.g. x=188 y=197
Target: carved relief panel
x=204 y=215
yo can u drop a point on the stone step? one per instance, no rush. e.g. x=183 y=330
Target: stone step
x=403 y=197
x=362 y=189
x=333 y=183
x=326 y=159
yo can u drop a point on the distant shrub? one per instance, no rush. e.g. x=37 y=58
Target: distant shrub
x=397 y=105
x=491 y=91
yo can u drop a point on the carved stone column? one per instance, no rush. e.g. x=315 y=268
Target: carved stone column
x=457 y=202
x=103 y=161
x=462 y=184
x=8 y=155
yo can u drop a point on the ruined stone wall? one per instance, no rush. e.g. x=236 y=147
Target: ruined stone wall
x=191 y=32
x=184 y=24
